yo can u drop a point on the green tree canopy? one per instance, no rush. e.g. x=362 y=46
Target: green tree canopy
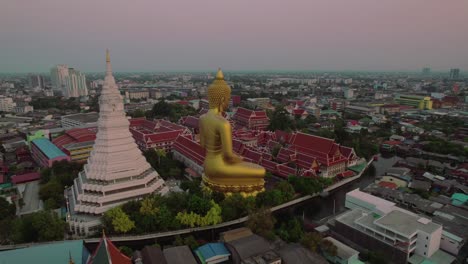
x=119 y=220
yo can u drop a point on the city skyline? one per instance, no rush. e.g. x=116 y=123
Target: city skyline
x=238 y=36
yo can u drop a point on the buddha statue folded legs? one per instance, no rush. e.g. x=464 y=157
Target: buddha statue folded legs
x=224 y=170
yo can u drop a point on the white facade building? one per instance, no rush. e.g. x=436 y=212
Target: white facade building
x=116 y=171
x=388 y=223
x=6 y=104
x=58 y=75
x=75 y=84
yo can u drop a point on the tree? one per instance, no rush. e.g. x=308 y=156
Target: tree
x=52 y=193
x=262 y=222
x=269 y=198
x=119 y=220
x=38 y=227
x=291 y=231
x=161 y=110
x=138 y=113
x=198 y=205
x=327 y=247
x=6 y=209
x=286 y=189
x=311 y=241
x=280 y=120
x=126 y=251
x=148 y=206
x=192 y=219
x=236 y=206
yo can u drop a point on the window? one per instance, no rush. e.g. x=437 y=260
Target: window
x=427 y=237
x=425 y=245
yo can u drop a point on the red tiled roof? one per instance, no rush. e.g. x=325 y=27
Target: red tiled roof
x=392 y=142
x=299 y=112
x=347 y=173
x=107 y=251
x=190 y=149
x=269 y=165
x=191 y=121
x=346 y=151
x=253 y=155
x=2 y=178
x=76 y=135
x=325 y=150
x=237 y=146
x=390 y=185
x=27 y=177
x=284 y=170
x=285 y=155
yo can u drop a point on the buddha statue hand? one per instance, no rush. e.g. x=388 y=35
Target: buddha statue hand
x=233 y=158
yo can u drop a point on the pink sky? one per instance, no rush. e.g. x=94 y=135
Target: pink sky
x=201 y=35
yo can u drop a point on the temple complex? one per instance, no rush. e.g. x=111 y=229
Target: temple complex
x=116 y=171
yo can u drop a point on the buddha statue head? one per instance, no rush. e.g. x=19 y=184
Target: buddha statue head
x=219 y=93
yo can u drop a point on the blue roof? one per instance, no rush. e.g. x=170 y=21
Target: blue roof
x=48 y=148
x=211 y=250
x=50 y=253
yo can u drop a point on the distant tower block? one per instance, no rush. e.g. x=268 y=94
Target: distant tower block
x=116 y=171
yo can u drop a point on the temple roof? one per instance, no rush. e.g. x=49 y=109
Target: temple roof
x=107 y=253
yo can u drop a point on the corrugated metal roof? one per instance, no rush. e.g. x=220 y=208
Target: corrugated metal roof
x=48 y=148
x=51 y=253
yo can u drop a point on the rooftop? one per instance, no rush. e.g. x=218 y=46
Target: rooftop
x=344 y=251
x=179 y=255
x=406 y=223
x=84 y=117
x=49 y=149
x=51 y=253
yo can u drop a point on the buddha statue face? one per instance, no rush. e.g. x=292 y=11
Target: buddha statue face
x=219 y=93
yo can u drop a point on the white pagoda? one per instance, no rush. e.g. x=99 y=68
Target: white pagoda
x=116 y=171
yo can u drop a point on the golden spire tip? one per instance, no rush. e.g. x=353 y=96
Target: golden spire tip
x=219 y=74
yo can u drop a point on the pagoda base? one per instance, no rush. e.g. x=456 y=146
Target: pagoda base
x=228 y=189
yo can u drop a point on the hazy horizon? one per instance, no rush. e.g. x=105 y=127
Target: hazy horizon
x=248 y=36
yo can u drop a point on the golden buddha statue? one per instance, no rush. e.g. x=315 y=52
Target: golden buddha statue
x=224 y=170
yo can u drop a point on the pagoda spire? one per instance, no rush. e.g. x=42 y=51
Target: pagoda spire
x=108 y=64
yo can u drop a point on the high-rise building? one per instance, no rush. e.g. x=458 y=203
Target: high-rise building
x=75 y=84
x=116 y=171
x=426 y=70
x=454 y=73
x=70 y=81
x=36 y=81
x=57 y=75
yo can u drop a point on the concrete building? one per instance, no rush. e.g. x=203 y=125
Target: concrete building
x=402 y=236
x=36 y=81
x=454 y=73
x=45 y=153
x=75 y=84
x=262 y=103
x=344 y=254
x=116 y=171
x=6 y=104
x=79 y=120
x=417 y=101
x=77 y=143
x=137 y=94
x=58 y=75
